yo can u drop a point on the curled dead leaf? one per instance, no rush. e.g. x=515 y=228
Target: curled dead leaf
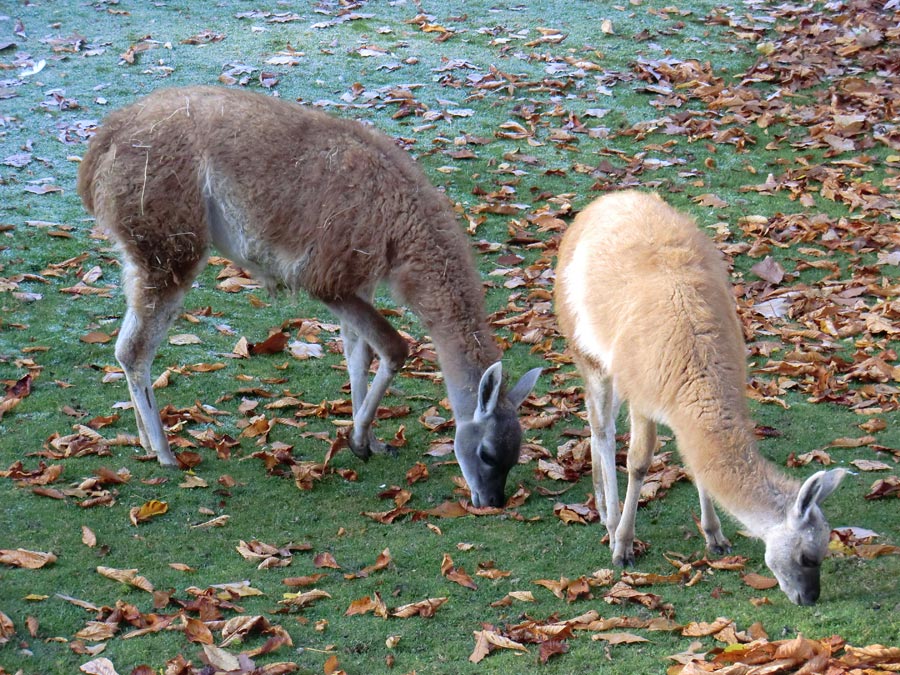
x=126 y=576
x=423 y=608
x=31 y=560
x=197 y=631
x=303 y=599
x=326 y=559
x=7 y=628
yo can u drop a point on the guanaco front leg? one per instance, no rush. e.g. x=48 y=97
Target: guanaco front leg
x=368 y=330
x=640 y=455
x=716 y=541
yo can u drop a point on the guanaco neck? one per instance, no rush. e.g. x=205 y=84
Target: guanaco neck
x=723 y=457
x=446 y=292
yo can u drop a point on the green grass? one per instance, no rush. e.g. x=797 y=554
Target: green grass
x=859 y=600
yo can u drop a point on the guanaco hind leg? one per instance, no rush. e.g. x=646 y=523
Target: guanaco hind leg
x=602 y=408
x=142 y=331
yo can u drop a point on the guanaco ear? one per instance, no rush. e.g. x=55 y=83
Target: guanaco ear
x=816 y=489
x=489 y=391
x=523 y=387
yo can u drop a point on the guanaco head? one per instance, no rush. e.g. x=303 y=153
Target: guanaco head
x=796 y=547
x=487 y=446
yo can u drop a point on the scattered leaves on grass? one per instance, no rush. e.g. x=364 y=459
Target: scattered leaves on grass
x=825 y=324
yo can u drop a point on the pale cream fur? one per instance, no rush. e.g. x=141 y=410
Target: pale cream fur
x=644 y=298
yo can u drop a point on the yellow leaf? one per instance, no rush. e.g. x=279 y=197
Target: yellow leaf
x=192 y=481
x=146 y=511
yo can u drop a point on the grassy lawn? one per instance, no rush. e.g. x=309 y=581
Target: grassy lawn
x=742 y=115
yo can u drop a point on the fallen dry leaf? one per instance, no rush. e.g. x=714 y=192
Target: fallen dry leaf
x=14 y=394
x=367 y=604
x=126 y=576
x=99 y=666
x=759 y=582
x=885 y=487
x=31 y=560
x=325 y=559
x=7 y=629
x=871 y=465
x=197 y=631
x=619 y=638
x=146 y=511
x=423 y=608
x=487 y=640
x=456 y=574
x=303 y=599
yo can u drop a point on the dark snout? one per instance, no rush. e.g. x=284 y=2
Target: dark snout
x=807 y=597
x=489 y=499
x=808 y=593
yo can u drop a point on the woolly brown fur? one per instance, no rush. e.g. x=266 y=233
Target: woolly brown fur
x=336 y=207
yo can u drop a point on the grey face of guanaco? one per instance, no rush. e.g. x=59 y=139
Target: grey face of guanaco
x=487 y=446
x=796 y=547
